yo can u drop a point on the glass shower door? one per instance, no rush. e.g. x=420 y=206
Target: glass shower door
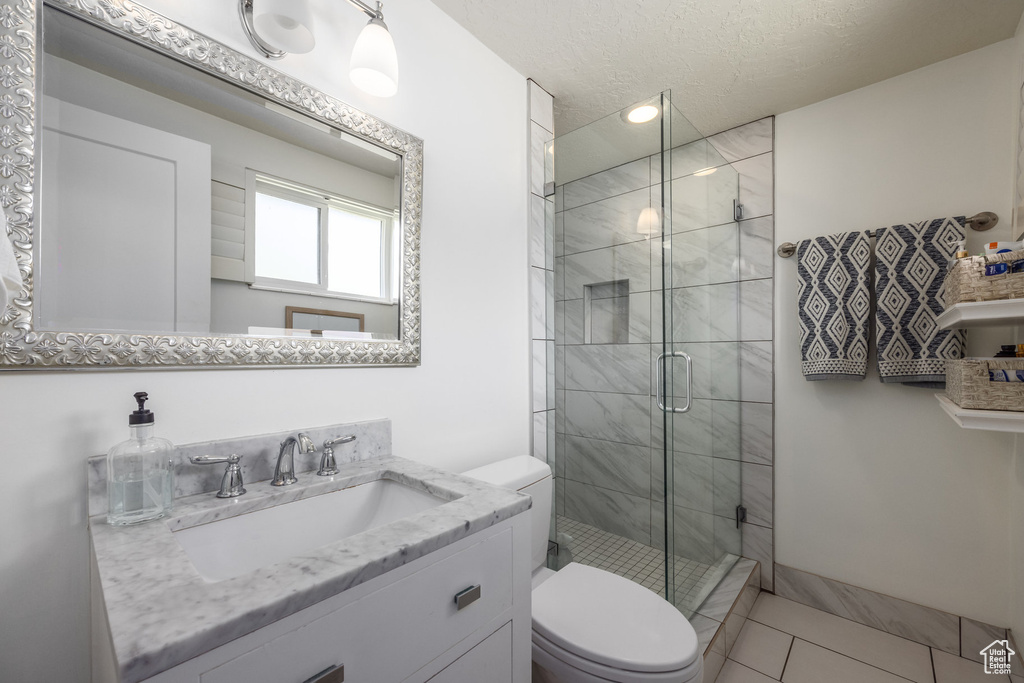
x=701 y=357
x=646 y=254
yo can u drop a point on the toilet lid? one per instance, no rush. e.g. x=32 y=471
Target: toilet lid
x=611 y=620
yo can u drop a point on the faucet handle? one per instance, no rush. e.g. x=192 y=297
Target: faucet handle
x=231 y=484
x=232 y=459
x=330 y=443
x=328 y=465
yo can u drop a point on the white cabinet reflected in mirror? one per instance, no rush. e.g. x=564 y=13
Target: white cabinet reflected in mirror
x=172 y=204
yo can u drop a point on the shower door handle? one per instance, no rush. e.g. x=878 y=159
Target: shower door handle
x=689 y=381
x=660 y=369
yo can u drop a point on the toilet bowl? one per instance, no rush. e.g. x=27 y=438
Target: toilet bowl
x=590 y=625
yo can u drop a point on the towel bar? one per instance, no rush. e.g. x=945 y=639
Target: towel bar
x=979 y=223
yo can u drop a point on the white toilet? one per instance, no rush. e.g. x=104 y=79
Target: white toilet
x=590 y=625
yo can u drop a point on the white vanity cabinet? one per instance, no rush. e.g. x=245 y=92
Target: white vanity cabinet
x=402 y=626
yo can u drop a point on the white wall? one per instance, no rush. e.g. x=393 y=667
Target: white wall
x=467 y=404
x=875 y=486
x=235 y=147
x=1016 y=481
x=1016 y=536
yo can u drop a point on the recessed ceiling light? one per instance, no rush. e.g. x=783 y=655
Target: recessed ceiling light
x=642 y=114
x=705 y=171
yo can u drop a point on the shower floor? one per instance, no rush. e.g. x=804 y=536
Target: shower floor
x=641 y=563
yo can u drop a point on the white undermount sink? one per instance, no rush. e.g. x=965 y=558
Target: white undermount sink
x=238 y=545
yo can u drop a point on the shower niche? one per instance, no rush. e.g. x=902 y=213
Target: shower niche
x=606 y=313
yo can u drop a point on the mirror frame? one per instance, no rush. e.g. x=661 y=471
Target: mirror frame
x=23 y=348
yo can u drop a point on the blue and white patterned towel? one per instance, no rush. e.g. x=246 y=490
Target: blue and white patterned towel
x=834 y=302
x=910 y=270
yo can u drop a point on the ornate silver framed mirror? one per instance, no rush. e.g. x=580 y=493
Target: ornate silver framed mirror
x=343 y=223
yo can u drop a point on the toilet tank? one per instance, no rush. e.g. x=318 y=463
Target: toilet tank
x=531 y=476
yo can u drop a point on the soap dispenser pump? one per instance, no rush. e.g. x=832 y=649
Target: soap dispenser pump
x=140 y=477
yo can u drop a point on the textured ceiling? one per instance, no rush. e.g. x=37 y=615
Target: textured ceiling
x=727 y=62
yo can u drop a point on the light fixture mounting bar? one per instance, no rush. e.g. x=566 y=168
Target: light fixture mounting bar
x=370 y=11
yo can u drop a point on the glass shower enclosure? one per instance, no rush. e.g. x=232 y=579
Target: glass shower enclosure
x=647 y=352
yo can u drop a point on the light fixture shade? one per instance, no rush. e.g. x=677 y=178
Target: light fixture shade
x=649 y=222
x=374 y=68
x=285 y=24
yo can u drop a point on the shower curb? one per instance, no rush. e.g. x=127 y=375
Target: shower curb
x=724 y=612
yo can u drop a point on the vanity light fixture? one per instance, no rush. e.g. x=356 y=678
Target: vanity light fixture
x=279 y=27
x=649 y=222
x=642 y=114
x=705 y=171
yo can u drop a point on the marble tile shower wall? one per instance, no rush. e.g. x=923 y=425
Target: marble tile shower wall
x=542 y=273
x=608 y=320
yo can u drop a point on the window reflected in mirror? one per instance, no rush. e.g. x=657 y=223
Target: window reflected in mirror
x=288 y=240
x=312 y=242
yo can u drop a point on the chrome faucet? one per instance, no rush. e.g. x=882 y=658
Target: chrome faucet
x=285 y=475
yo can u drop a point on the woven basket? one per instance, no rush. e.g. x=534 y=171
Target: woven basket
x=968 y=385
x=966 y=280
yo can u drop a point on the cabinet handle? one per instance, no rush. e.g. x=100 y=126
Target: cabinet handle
x=332 y=674
x=467 y=597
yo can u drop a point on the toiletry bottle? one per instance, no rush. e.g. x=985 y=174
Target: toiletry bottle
x=140 y=478
x=993 y=248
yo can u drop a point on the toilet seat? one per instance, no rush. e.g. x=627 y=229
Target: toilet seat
x=611 y=627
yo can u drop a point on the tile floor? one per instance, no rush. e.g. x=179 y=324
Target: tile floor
x=785 y=641
x=640 y=563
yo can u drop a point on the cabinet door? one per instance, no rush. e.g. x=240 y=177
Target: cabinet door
x=488 y=662
x=127 y=210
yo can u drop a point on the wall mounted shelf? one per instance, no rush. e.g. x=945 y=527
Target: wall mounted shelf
x=983 y=313
x=991 y=420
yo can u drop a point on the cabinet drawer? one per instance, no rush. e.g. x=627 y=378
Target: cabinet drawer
x=392 y=632
x=489 y=661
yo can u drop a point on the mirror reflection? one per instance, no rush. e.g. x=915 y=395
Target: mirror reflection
x=173 y=202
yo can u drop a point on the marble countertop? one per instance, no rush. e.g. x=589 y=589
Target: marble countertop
x=162 y=612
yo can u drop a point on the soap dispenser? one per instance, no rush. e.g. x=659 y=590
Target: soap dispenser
x=140 y=478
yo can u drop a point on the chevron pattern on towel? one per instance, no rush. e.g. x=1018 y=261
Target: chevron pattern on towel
x=910 y=271
x=834 y=302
